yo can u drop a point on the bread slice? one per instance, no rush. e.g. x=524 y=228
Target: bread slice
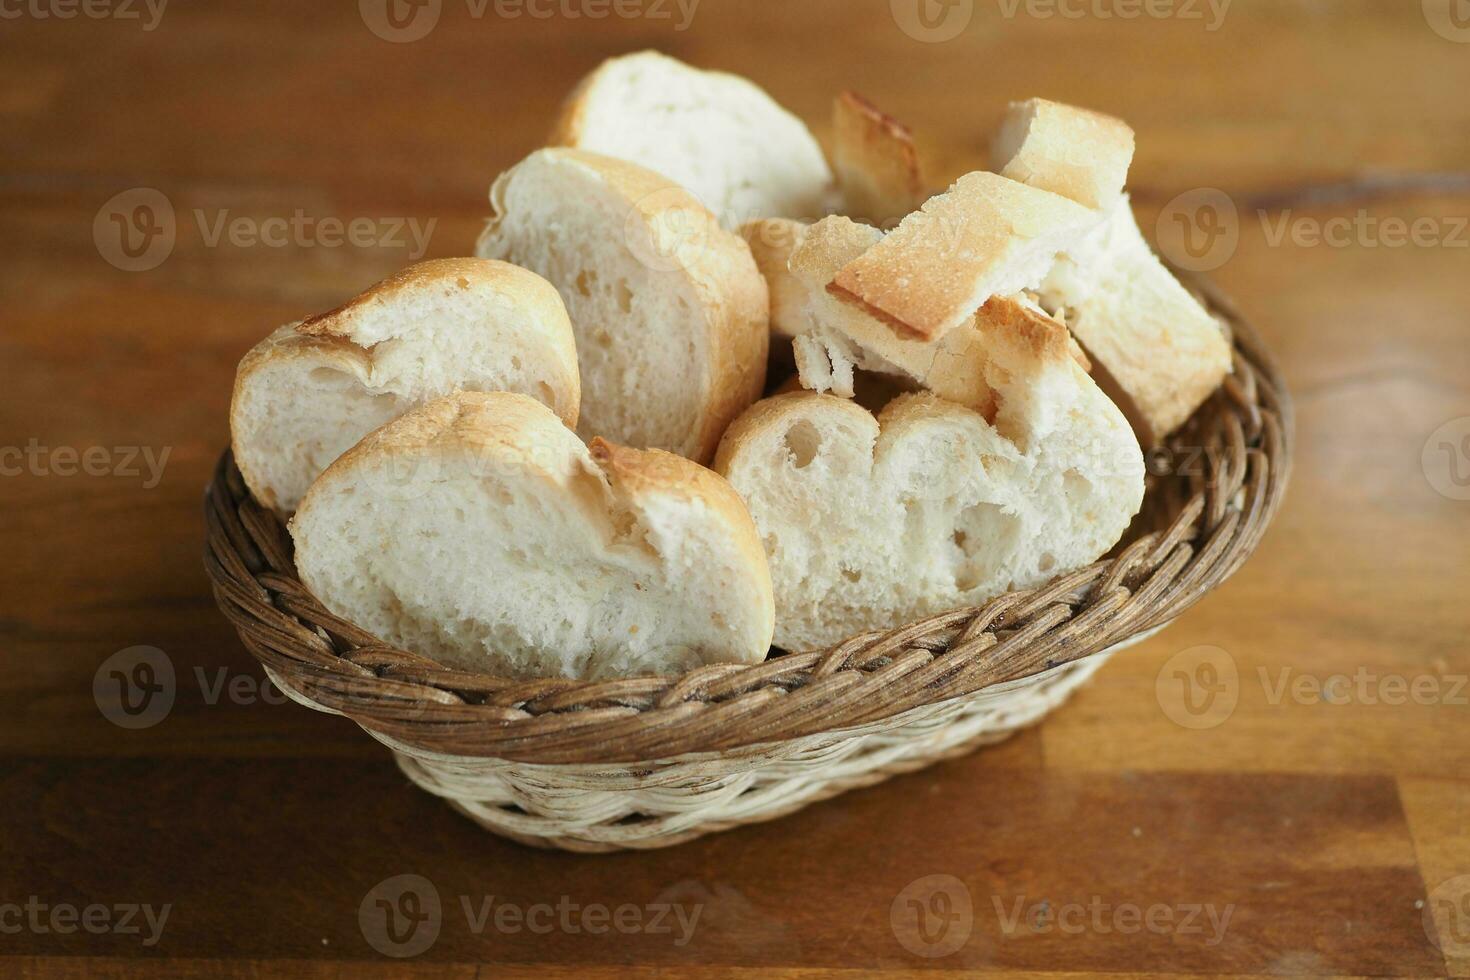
x=875 y=162
x=669 y=310
x=718 y=135
x=311 y=390
x=480 y=532
x=1161 y=353
x=1077 y=153
x=986 y=236
x=872 y=522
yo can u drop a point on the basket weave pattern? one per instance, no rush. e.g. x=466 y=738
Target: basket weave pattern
x=653 y=761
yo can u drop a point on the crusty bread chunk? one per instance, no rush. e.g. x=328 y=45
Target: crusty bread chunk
x=771 y=241
x=875 y=162
x=718 y=135
x=834 y=341
x=1077 y=153
x=669 y=310
x=1161 y=353
x=986 y=236
x=480 y=532
x=872 y=522
x=311 y=390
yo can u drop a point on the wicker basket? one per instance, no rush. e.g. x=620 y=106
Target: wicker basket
x=653 y=761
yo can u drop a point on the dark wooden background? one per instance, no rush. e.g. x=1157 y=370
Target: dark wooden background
x=1335 y=830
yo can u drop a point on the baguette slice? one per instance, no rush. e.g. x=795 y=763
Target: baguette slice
x=1077 y=153
x=669 y=310
x=480 y=532
x=986 y=236
x=875 y=162
x=871 y=522
x=308 y=392
x=718 y=135
x=1160 y=352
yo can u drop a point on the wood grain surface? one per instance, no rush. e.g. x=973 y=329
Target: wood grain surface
x=1315 y=155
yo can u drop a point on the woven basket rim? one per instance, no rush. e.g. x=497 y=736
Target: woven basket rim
x=1198 y=524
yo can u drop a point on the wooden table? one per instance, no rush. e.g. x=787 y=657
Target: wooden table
x=1316 y=830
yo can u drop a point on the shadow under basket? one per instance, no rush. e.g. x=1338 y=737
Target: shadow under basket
x=653 y=761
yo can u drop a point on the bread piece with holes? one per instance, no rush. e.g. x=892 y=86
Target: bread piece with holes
x=871 y=522
x=875 y=161
x=312 y=389
x=1077 y=153
x=669 y=310
x=986 y=236
x=718 y=135
x=479 y=532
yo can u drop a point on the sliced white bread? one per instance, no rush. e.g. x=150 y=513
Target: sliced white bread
x=875 y=162
x=1159 y=352
x=986 y=236
x=1077 y=153
x=312 y=389
x=718 y=135
x=480 y=532
x=872 y=522
x=669 y=310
